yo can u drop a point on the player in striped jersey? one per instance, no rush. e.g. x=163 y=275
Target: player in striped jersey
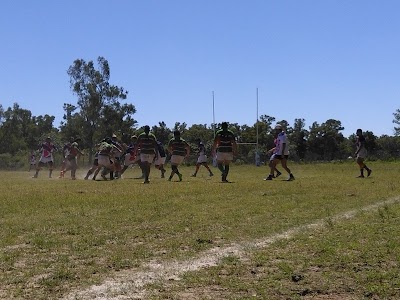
x=147 y=143
x=179 y=149
x=225 y=147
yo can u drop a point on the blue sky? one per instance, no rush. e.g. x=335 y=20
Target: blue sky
x=311 y=59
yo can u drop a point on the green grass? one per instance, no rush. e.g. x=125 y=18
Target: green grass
x=356 y=259
x=59 y=235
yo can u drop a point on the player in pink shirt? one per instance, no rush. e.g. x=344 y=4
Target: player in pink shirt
x=47 y=148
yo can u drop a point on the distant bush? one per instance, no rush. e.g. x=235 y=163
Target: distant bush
x=12 y=162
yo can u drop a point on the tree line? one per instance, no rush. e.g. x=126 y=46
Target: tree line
x=100 y=111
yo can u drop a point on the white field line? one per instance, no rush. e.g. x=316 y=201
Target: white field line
x=130 y=284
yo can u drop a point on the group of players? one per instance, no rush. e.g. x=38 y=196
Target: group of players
x=113 y=157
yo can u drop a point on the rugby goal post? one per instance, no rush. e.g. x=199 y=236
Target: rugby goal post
x=257 y=158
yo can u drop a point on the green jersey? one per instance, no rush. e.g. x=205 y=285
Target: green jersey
x=178 y=146
x=147 y=143
x=105 y=148
x=225 y=140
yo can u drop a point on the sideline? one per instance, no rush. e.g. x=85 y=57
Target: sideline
x=130 y=284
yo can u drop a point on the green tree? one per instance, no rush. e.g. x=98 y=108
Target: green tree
x=325 y=142
x=21 y=130
x=199 y=131
x=118 y=119
x=98 y=102
x=72 y=123
x=268 y=120
x=371 y=143
x=247 y=134
x=388 y=147
x=397 y=122
x=12 y=127
x=298 y=139
x=41 y=127
x=265 y=136
x=181 y=127
x=1 y=114
x=286 y=126
x=162 y=132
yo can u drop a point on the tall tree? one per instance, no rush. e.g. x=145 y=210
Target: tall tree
x=388 y=147
x=397 y=121
x=268 y=120
x=1 y=114
x=199 y=131
x=298 y=138
x=13 y=125
x=265 y=136
x=98 y=100
x=118 y=119
x=72 y=123
x=286 y=126
x=22 y=130
x=325 y=140
x=180 y=126
x=162 y=132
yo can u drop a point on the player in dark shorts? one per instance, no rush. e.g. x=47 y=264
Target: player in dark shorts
x=361 y=154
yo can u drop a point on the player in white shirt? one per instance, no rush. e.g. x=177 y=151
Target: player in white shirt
x=202 y=159
x=281 y=153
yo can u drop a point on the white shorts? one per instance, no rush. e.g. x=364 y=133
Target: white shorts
x=177 y=159
x=202 y=159
x=104 y=161
x=362 y=153
x=46 y=160
x=224 y=156
x=160 y=161
x=147 y=157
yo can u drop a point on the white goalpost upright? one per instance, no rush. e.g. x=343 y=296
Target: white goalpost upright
x=257 y=154
x=214 y=162
x=213 y=109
